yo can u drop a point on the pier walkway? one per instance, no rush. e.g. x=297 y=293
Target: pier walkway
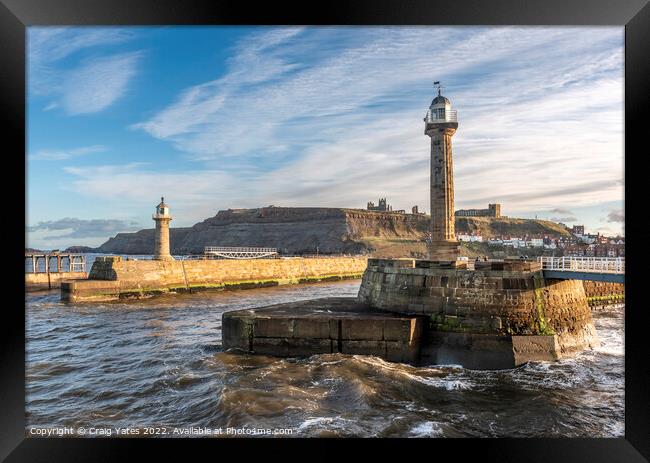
x=239 y=252
x=606 y=269
x=45 y=270
x=40 y=262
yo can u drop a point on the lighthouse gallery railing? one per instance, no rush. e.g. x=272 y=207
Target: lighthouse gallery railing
x=448 y=116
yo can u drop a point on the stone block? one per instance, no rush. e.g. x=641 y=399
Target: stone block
x=376 y=348
x=476 y=324
x=274 y=327
x=272 y=346
x=403 y=329
x=236 y=333
x=318 y=328
x=437 y=291
x=306 y=346
x=391 y=263
x=535 y=348
x=397 y=351
x=335 y=328
x=362 y=329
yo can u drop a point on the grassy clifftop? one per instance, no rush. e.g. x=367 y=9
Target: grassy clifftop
x=324 y=230
x=489 y=227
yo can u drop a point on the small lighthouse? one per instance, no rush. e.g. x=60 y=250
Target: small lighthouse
x=162 y=218
x=440 y=123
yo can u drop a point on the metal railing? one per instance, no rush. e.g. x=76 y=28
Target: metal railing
x=42 y=262
x=448 y=116
x=584 y=264
x=239 y=253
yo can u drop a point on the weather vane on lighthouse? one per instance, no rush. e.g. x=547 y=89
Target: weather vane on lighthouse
x=437 y=82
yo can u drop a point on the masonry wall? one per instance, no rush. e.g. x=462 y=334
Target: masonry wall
x=113 y=276
x=482 y=301
x=44 y=280
x=602 y=294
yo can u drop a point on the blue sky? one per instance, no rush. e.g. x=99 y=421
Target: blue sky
x=226 y=117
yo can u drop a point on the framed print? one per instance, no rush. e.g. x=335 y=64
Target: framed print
x=370 y=220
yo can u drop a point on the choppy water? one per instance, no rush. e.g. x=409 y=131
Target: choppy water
x=159 y=363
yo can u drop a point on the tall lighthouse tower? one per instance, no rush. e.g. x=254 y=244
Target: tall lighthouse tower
x=440 y=124
x=162 y=219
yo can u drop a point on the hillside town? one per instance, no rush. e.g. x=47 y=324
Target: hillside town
x=578 y=244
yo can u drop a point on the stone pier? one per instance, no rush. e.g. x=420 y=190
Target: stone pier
x=498 y=315
x=112 y=277
x=324 y=326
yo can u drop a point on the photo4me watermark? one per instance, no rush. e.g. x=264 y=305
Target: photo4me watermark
x=194 y=431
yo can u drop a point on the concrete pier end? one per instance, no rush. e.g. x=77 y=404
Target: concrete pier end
x=324 y=326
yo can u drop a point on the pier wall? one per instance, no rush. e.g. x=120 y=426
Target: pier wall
x=44 y=280
x=602 y=294
x=475 y=314
x=114 y=277
x=323 y=326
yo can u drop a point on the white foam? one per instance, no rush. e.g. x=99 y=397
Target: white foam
x=426 y=429
x=325 y=421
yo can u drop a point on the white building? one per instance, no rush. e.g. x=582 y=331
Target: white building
x=468 y=238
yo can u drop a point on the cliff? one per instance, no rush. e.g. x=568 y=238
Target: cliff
x=140 y=242
x=301 y=230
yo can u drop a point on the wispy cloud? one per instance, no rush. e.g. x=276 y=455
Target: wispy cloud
x=333 y=117
x=140 y=185
x=97 y=84
x=61 y=68
x=60 y=155
x=334 y=114
x=79 y=228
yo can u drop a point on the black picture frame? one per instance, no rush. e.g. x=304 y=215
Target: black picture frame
x=16 y=15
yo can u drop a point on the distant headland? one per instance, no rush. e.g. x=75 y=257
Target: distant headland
x=312 y=230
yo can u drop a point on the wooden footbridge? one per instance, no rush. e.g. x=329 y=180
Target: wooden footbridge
x=606 y=269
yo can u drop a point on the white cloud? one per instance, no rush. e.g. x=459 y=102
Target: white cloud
x=333 y=117
x=97 y=84
x=87 y=84
x=197 y=193
x=78 y=228
x=60 y=155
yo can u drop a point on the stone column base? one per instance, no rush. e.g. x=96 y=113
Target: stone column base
x=444 y=250
x=163 y=258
